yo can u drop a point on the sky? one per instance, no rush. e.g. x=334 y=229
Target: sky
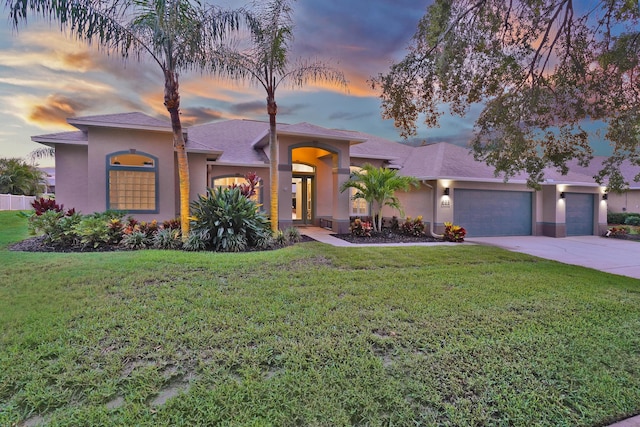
x=47 y=76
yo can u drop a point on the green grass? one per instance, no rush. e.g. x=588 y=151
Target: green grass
x=314 y=335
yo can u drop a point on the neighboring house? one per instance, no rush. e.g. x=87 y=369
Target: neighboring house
x=127 y=162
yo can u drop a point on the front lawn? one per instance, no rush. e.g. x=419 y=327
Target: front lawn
x=313 y=335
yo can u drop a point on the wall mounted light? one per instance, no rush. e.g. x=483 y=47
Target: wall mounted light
x=605 y=196
x=562 y=195
x=446 y=191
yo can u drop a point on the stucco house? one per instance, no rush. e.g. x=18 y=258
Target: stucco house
x=127 y=162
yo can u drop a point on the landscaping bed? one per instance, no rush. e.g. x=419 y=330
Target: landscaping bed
x=386 y=237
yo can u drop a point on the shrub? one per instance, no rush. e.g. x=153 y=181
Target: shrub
x=395 y=224
x=57 y=227
x=135 y=240
x=632 y=220
x=93 y=231
x=43 y=205
x=361 y=228
x=280 y=238
x=196 y=241
x=167 y=238
x=292 y=234
x=454 y=233
x=224 y=213
x=413 y=227
x=172 y=224
x=620 y=217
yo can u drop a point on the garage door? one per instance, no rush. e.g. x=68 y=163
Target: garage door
x=493 y=213
x=579 y=214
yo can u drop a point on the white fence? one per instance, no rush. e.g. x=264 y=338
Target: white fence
x=10 y=202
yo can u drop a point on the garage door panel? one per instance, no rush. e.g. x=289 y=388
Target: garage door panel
x=579 y=214
x=493 y=213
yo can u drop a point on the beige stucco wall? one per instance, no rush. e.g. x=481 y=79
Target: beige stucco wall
x=626 y=202
x=104 y=141
x=72 y=177
x=416 y=202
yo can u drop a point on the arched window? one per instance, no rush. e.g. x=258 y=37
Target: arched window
x=228 y=181
x=132 y=182
x=359 y=207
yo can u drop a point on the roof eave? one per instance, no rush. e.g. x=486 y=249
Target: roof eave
x=85 y=124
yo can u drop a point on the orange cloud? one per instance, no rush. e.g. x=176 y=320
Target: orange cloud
x=55 y=111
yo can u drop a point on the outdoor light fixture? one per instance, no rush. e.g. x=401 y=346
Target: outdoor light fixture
x=605 y=196
x=562 y=195
x=446 y=191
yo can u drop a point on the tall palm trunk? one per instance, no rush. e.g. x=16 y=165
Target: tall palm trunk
x=272 y=109
x=172 y=102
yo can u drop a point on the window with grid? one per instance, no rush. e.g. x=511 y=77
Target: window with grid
x=132 y=182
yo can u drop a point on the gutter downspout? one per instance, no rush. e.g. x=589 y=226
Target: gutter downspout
x=435 y=207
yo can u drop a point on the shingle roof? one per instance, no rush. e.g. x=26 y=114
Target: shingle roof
x=74 y=137
x=134 y=120
x=234 y=138
x=242 y=142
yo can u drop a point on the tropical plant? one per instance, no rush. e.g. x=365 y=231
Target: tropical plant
x=167 y=238
x=454 y=233
x=225 y=213
x=136 y=240
x=545 y=72
x=20 y=178
x=292 y=234
x=41 y=205
x=196 y=241
x=360 y=228
x=93 y=231
x=266 y=62
x=175 y=34
x=413 y=226
x=57 y=227
x=378 y=187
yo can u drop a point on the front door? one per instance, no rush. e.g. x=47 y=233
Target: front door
x=302 y=199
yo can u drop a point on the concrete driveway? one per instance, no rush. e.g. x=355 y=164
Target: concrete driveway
x=614 y=256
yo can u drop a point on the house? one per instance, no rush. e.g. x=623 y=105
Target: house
x=127 y=162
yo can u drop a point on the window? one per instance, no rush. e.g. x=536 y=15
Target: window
x=132 y=182
x=228 y=181
x=359 y=207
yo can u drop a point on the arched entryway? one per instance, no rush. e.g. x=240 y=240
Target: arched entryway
x=302 y=193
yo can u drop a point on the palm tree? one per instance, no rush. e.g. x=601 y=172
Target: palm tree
x=378 y=187
x=266 y=62
x=20 y=178
x=173 y=33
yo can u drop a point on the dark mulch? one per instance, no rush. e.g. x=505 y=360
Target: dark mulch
x=38 y=244
x=386 y=237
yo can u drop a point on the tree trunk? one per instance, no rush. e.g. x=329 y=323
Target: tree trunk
x=272 y=109
x=172 y=102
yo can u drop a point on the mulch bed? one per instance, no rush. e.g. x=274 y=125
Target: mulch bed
x=386 y=238
x=37 y=244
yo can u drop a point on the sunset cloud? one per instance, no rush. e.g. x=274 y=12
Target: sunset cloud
x=55 y=110
x=47 y=76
